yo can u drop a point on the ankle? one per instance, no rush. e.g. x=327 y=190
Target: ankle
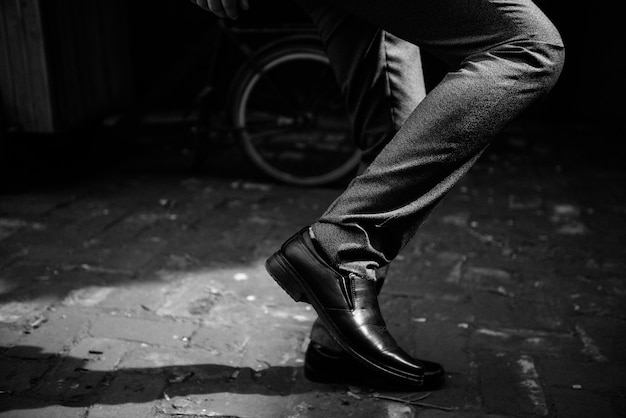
x=363 y=269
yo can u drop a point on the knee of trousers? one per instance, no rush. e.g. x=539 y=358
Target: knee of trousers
x=543 y=54
x=545 y=51
x=548 y=63
x=535 y=63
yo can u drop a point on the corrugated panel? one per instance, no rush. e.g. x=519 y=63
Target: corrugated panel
x=24 y=77
x=63 y=63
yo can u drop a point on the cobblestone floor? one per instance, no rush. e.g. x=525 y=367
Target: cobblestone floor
x=142 y=293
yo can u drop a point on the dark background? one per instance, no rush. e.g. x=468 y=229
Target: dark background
x=102 y=59
x=591 y=81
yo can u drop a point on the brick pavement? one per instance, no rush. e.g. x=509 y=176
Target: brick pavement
x=145 y=296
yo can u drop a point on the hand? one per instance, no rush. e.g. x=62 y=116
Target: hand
x=223 y=8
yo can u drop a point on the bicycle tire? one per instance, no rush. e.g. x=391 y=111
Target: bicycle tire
x=290 y=117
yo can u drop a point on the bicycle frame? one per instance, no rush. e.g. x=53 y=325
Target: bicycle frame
x=222 y=33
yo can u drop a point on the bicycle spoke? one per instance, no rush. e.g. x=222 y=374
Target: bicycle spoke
x=263 y=134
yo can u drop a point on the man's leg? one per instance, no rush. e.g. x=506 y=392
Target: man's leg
x=380 y=75
x=504 y=56
x=382 y=81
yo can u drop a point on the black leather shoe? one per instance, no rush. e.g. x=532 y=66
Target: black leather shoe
x=327 y=366
x=348 y=306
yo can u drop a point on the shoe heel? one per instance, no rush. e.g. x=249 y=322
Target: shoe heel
x=281 y=271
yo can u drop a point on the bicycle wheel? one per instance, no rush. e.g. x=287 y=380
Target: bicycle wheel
x=290 y=116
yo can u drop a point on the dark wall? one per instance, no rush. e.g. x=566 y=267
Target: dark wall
x=592 y=73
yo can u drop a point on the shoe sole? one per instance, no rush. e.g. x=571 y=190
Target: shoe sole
x=295 y=286
x=374 y=382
